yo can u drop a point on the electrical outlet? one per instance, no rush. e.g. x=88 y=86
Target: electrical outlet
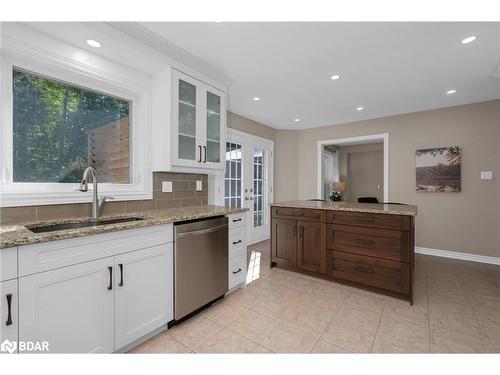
x=199 y=185
x=486 y=175
x=166 y=186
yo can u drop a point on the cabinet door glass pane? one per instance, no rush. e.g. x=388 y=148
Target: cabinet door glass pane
x=213 y=128
x=187 y=121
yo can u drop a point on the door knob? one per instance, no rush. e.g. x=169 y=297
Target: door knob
x=246 y=198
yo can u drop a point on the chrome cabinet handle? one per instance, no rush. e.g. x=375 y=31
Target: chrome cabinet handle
x=9 y=309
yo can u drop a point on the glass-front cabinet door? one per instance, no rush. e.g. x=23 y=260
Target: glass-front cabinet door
x=198 y=123
x=213 y=128
x=186 y=131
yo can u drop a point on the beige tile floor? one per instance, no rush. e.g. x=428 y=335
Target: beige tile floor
x=456 y=310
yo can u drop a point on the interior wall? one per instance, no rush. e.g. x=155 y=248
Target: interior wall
x=366 y=175
x=246 y=125
x=467 y=221
x=286 y=160
x=344 y=153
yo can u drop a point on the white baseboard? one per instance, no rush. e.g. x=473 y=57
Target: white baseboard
x=457 y=255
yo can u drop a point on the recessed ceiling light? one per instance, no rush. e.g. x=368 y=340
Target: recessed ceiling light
x=451 y=92
x=334 y=77
x=297 y=120
x=469 y=39
x=93 y=43
x=256 y=99
x=359 y=109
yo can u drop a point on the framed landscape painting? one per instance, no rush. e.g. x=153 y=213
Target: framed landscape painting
x=439 y=169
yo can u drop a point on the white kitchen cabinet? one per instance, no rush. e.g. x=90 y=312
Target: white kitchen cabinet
x=71 y=308
x=237 y=246
x=143 y=292
x=8 y=311
x=198 y=124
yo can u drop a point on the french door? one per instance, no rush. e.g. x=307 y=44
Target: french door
x=248 y=180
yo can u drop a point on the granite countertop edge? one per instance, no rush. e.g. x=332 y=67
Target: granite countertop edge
x=375 y=208
x=18 y=235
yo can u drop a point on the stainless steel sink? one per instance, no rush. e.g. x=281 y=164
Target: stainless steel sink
x=80 y=224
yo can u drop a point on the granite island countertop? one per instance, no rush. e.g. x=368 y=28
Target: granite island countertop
x=19 y=235
x=375 y=208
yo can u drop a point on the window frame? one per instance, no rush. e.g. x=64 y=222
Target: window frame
x=32 y=193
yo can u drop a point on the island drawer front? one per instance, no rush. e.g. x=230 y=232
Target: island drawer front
x=379 y=273
x=66 y=252
x=383 y=221
x=374 y=242
x=299 y=213
x=237 y=271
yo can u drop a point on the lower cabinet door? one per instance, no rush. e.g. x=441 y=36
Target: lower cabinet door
x=8 y=314
x=311 y=246
x=284 y=241
x=144 y=292
x=70 y=308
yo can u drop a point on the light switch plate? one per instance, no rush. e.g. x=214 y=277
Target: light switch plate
x=199 y=185
x=166 y=186
x=486 y=175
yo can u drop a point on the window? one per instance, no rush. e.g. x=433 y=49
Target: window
x=233 y=177
x=57 y=117
x=59 y=129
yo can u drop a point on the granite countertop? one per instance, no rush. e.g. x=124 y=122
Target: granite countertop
x=19 y=235
x=375 y=208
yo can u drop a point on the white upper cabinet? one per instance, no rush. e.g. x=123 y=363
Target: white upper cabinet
x=198 y=124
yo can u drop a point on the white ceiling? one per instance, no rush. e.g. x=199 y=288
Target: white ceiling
x=388 y=68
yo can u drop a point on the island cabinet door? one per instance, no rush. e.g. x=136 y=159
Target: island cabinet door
x=143 y=292
x=311 y=246
x=70 y=308
x=284 y=242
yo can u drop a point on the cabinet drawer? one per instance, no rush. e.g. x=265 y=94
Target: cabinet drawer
x=298 y=213
x=8 y=263
x=380 y=273
x=237 y=270
x=237 y=242
x=383 y=221
x=56 y=254
x=237 y=220
x=374 y=242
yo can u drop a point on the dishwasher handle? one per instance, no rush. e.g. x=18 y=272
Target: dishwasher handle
x=201 y=231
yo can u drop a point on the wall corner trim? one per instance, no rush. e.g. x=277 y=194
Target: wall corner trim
x=457 y=255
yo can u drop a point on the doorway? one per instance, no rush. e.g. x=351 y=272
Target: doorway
x=356 y=167
x=248 y=180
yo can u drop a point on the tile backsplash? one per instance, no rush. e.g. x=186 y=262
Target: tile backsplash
x=183 y=194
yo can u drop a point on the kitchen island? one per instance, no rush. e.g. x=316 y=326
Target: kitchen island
x=365 y=245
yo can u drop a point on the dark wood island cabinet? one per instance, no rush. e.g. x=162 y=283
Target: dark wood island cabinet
x=365 y=245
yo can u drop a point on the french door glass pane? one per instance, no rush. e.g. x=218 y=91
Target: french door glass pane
x=258 y=182
x=187 y=121
x=232 y=183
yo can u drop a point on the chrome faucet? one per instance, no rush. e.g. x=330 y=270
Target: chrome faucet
x=97 y=202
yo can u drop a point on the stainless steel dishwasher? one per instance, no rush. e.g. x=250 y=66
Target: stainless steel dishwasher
x=200 y=264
